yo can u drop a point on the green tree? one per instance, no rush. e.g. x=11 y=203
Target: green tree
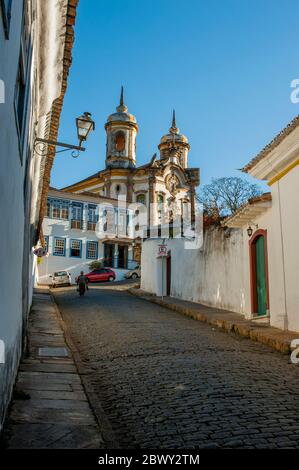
x=95 y=265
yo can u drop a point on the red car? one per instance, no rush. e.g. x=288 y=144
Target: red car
x=101 y=275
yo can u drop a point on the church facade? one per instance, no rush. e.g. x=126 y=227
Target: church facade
x=160 y=185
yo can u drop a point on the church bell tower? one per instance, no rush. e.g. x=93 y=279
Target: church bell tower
x=121 y=129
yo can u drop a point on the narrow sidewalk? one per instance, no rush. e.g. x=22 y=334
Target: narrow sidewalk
x=225 y=319
x=49 y=408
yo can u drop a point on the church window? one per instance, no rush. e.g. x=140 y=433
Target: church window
x=140 y=198
x=160 y=200
x=120 y=141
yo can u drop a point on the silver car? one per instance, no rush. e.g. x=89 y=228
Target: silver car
x=61 y=278
x=134 y=273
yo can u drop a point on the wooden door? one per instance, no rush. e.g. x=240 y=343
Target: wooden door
x=261 y=281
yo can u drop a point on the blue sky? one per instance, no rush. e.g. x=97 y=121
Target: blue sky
x=224 y=65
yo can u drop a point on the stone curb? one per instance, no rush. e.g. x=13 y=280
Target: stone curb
x=98 y=411
x=270 y=336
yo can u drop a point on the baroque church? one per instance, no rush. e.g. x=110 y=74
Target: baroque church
x=156 y=184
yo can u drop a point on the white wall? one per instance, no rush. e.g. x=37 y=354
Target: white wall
x=212 y=275
x=12 y=175
x=219 y=273
x=286 y=193
x=21 y=170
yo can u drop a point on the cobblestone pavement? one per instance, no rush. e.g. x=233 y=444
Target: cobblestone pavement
x=167 y=381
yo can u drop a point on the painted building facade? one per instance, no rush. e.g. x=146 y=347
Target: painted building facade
x=81 y=228
x=32 y=87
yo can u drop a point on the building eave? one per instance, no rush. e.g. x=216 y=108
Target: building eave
x=249 y=212
x=271 y=159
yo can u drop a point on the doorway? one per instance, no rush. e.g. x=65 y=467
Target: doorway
x=259 y=273
x=122 y=256
x=108 y=255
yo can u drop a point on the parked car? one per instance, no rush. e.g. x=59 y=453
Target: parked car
x=101 y=275
x=61 y=278
x=134 y=273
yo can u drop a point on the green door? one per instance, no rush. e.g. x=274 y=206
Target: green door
x=261 y=282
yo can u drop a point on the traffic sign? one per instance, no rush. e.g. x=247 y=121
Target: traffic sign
x=40 y=252
x=162 y=250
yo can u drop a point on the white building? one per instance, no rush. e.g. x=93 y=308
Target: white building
x=32 y=86
x=74 y=239
x=251 y=264
x=271 y=256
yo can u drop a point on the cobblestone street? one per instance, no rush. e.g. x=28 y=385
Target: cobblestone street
x=165 y=380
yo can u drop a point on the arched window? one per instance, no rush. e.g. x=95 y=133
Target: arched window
x=160 y=200
x=120 y=141
x=141 y=199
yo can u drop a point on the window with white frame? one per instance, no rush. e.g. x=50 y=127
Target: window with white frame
x=75 y=248
x=77 y=215
x=59 y=247
x=77 y=211
x=92 y=250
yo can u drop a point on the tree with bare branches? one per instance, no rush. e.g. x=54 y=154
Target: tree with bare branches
x=223 y=196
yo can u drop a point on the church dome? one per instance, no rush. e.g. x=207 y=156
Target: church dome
x=174 y=145
x=122 y=114
x=121 y=129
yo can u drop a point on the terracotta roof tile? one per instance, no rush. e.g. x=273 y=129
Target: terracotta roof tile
x=274 y=143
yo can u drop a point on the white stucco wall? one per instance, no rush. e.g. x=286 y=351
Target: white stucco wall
x=219 y=273
x=12 y=176
x=21 y=170
x=285 y=195
x=213 y=275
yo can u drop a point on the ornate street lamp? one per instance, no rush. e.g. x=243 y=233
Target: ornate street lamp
x=84 y=126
